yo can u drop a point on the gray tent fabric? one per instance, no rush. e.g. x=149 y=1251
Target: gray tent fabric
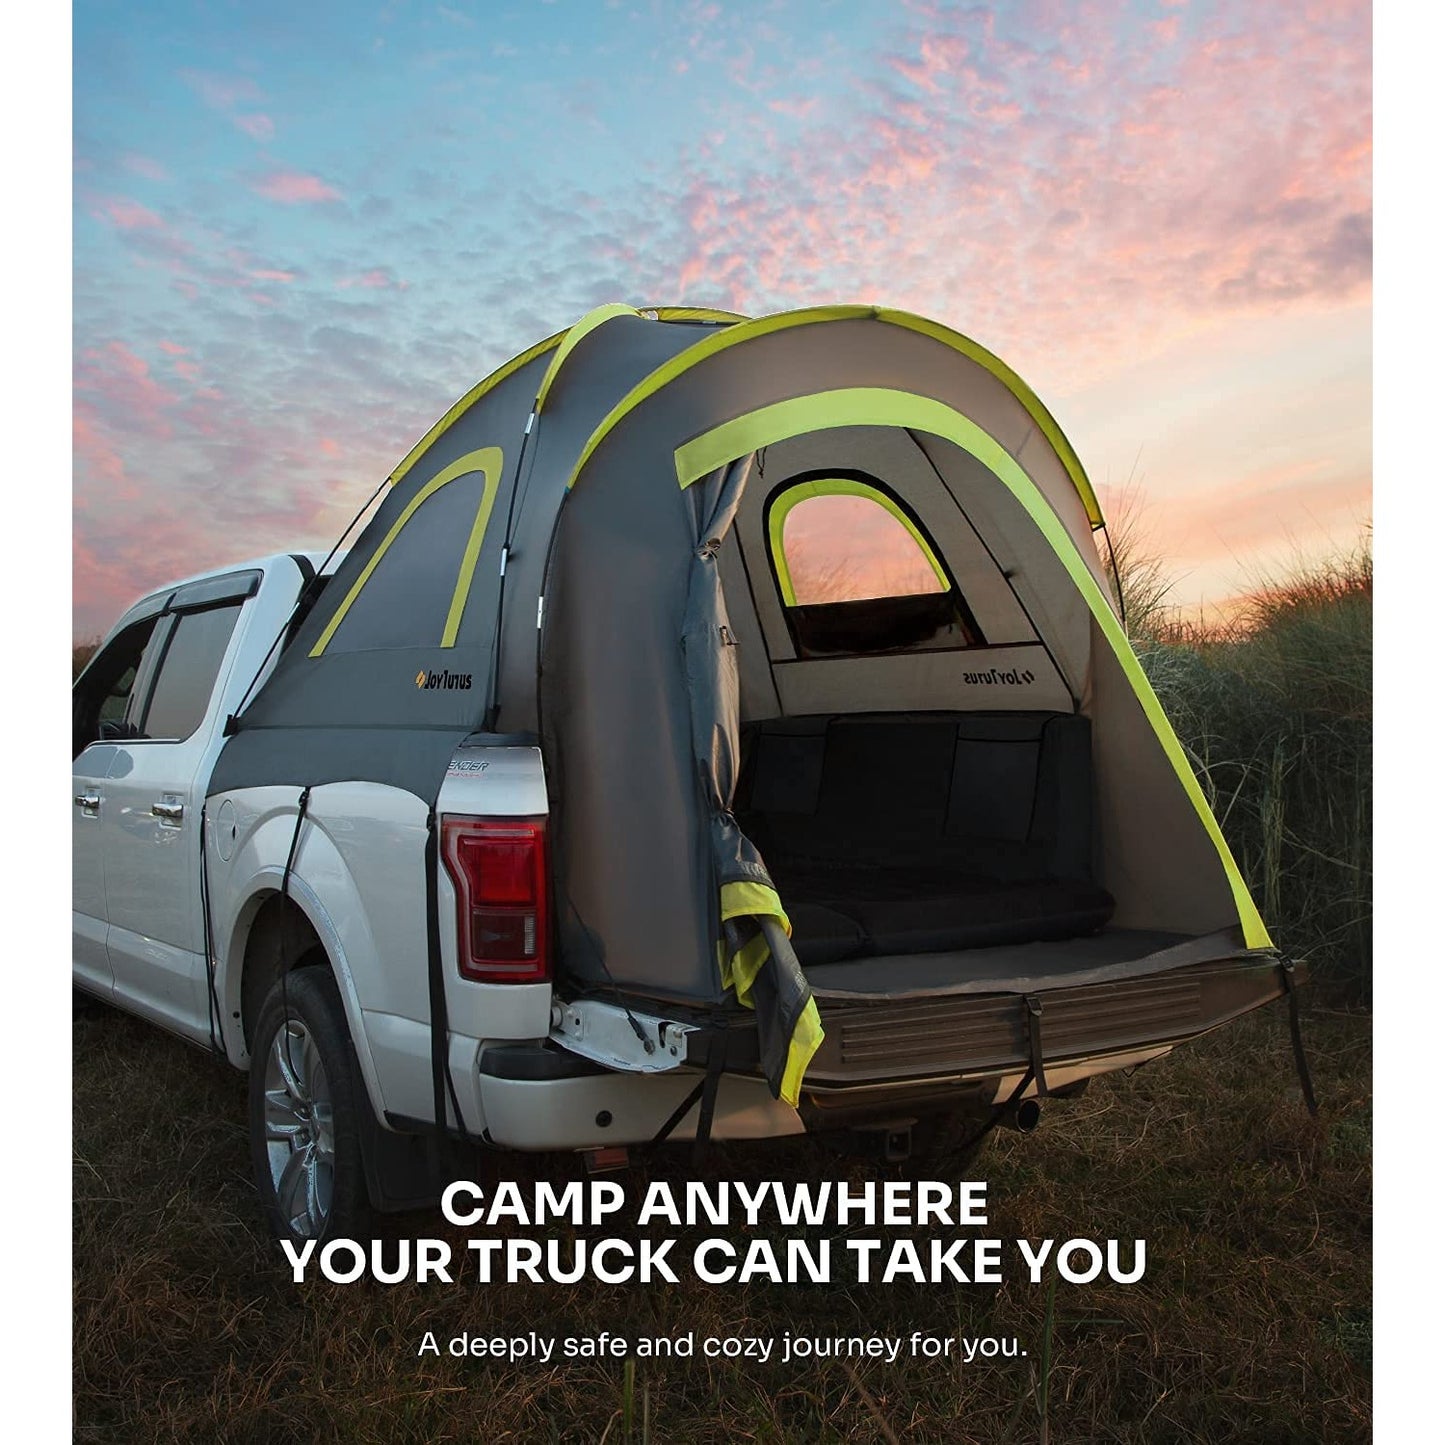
x=759 y=960
x=639 y=630
x=710 y=664
x=297 y=718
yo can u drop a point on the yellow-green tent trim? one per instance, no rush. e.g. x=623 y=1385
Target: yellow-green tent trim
x=756 y=900
x=494 y=379
x=747 y=331
x=879 y=406
x=464 y=403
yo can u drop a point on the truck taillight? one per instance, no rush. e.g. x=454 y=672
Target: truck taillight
x=499 y=869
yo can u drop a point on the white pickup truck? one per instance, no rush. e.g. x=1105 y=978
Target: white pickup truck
x=217 y=920
x=574 y=811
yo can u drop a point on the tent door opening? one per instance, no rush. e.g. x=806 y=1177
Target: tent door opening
x=917 y=769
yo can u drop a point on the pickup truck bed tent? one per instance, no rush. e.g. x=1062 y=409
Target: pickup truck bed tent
x=589 y=549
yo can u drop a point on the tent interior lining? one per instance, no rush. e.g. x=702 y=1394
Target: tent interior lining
x=903 y=814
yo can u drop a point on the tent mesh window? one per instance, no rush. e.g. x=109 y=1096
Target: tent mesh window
x=857 y=573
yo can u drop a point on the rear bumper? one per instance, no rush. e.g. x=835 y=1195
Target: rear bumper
x=979 y=1035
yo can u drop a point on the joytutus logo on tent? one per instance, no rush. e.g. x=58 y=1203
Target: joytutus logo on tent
x=806 y=617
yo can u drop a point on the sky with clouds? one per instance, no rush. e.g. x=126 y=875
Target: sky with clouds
x=300 y=231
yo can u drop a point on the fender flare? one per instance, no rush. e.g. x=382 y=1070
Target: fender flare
x=263 y=885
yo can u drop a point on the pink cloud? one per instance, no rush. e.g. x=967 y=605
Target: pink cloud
x=128 y=215
x=1019 y=190
x=283 y=276
x=293 y=188
x=798 y=109
x=121 y=384
x=95 y=452
x=258 y=127
x=172 y=348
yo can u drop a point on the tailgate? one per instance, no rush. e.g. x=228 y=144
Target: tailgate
x=978 y=1033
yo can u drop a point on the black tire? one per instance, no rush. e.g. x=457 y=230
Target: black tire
x=305 y=1101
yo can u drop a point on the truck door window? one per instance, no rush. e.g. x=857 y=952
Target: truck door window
x=103 y=692
x=188 y=672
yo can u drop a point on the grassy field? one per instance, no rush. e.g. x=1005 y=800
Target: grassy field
x=1252 y=1323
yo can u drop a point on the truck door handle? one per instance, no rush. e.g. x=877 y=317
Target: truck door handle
x=168 y=812
x=88 y=802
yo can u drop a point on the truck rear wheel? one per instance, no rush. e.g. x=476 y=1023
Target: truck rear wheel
x=304 y=1112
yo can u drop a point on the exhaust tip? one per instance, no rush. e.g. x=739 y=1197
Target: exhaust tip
x=1026 y=1115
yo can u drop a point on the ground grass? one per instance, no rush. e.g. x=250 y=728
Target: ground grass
x=1251 y=1323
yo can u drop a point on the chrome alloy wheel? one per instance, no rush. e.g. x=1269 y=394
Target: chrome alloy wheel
x=300 y=1131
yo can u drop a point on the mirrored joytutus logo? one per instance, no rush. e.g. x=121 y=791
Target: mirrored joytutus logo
x=1014 y=677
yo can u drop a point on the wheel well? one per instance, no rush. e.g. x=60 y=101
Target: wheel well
x=281 y=940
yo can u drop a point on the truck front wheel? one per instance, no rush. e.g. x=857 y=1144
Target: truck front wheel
x=304 y=1103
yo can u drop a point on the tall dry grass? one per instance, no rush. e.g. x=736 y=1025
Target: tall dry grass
x=1274 y=709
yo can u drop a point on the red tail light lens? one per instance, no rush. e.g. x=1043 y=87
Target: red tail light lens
x=499 y=869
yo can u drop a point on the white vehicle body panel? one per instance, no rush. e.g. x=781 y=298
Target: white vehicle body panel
x=147 y=867
x=87 y=871
x=358 y=874
x=152 y=867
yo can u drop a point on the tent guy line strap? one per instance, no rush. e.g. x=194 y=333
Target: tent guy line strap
x=1296 y=1034
x=444 y=1086
x=213 y=1003
x=284 y=934
x=1118 y=581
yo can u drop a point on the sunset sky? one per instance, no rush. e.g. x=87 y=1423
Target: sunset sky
x=302 y=230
